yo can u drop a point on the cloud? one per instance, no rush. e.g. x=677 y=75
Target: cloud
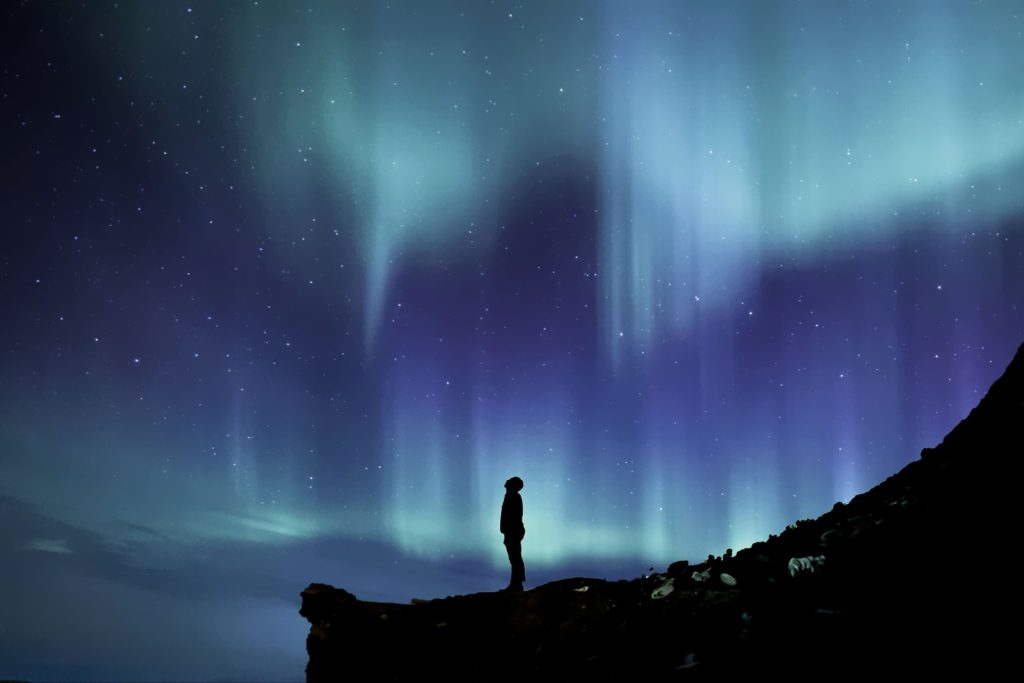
x=50 y=545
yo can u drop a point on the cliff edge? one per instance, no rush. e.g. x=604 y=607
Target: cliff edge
x=912 y=577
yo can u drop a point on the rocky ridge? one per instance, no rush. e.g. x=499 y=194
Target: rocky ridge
x=909 y=577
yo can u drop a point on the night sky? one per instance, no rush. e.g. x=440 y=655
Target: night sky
x=290 y=289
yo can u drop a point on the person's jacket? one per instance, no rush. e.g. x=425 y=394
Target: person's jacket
x=512 y=514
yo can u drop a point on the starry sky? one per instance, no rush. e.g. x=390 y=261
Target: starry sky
x=289 y=290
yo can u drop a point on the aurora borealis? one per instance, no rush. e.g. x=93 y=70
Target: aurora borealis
x=291 y=289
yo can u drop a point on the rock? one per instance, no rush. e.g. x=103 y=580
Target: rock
x=689 y=661
x=664 y=589
x=678 y=568
x=805 y=565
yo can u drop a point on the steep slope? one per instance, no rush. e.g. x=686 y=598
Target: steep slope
x=913 y=577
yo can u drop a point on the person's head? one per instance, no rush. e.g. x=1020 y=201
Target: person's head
x=514 y=484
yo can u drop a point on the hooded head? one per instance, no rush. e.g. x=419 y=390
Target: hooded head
x=514 y=484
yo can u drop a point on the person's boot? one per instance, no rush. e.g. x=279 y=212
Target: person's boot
x=514 y=587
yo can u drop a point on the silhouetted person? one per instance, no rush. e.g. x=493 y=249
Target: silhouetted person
x=513 y=529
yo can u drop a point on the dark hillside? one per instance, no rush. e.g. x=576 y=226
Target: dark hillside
x=912 y=577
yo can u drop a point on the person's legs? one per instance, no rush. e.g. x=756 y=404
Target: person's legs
x=518 y=568
x=514 y=546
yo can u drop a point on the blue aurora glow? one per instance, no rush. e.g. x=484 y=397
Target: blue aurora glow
x=709 y=149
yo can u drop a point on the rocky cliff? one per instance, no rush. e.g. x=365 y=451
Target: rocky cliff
x=915 y=576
